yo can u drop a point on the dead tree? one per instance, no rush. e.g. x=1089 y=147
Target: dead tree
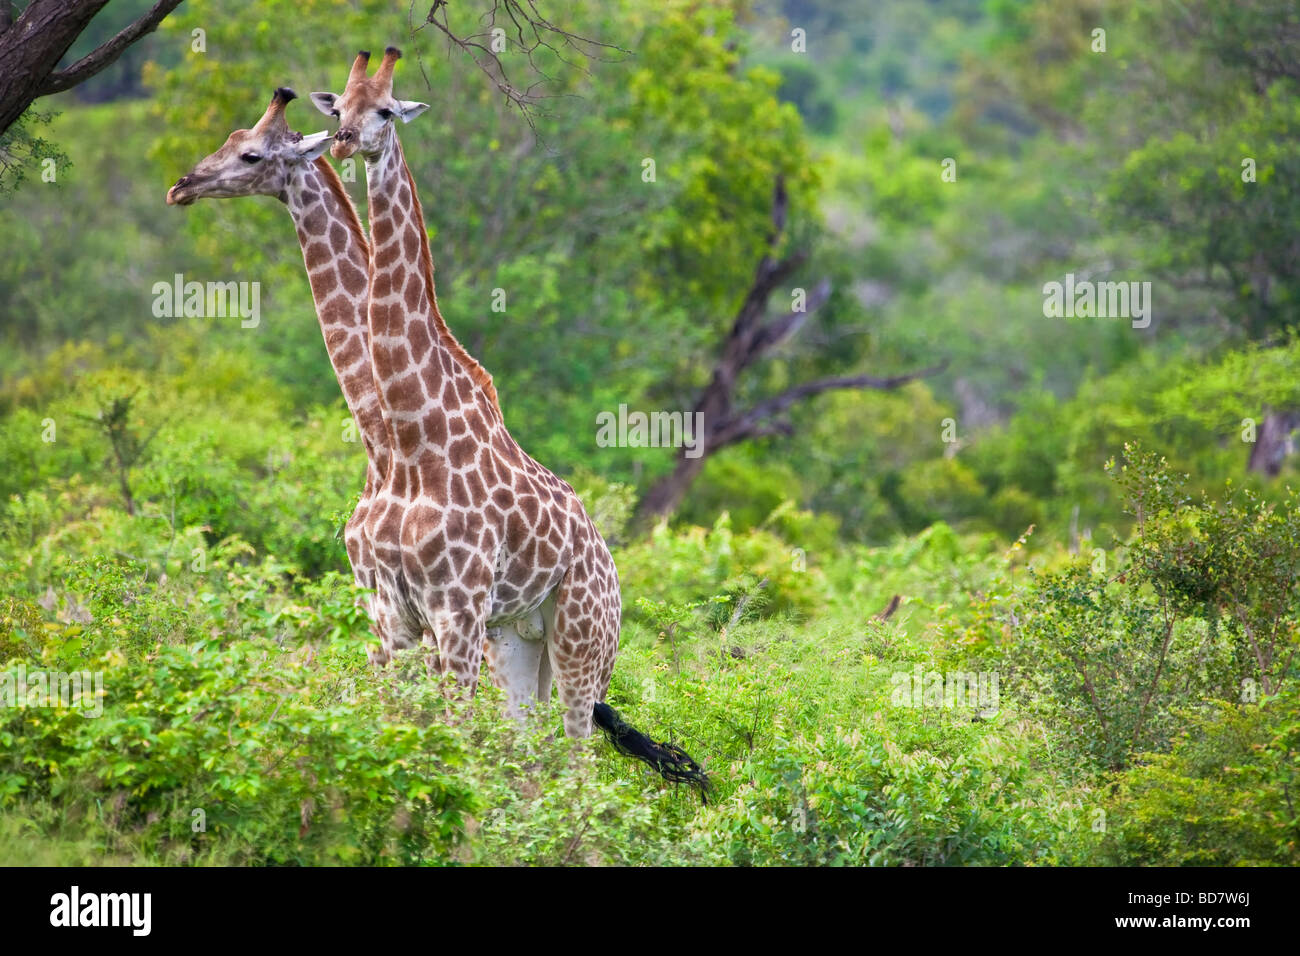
x=1273 y=442
x=32 y=45
x=752 y=336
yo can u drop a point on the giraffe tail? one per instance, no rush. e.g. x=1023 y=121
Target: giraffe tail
x=670 y=761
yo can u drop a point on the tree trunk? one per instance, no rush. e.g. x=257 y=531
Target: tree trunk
x=1273 y=442
x=752 y=336
x=31 y=48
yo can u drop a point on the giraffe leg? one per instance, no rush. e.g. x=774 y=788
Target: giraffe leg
x=392 y=621
x=515 y=654
x=545 y=676
x=361 y=557
x=458 y=637
x=582 y=649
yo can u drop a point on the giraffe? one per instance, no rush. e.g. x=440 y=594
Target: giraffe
x=272 y=160
x=478 y=548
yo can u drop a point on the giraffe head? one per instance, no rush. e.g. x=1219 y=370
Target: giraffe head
x=252 y=162
x=366 y=109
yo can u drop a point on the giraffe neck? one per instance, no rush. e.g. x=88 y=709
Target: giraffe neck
x=425 y=377
x=337 y=256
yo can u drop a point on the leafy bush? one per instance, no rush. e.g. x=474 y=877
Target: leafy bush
x=1223 y=796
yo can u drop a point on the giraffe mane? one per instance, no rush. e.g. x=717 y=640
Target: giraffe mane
x=477 y=372
x=335 y=185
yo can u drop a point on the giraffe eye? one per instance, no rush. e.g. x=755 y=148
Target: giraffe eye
x=251 y=158
x=385 y=114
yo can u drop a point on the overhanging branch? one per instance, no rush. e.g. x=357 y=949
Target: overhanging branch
x=107 y=53
x=750 y=424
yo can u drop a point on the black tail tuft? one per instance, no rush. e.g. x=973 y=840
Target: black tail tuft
x=669 y=760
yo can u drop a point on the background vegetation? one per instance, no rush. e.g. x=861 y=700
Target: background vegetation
x=1067 y=506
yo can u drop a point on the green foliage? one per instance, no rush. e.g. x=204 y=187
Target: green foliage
x=1223 y=796
x=23 y=152
x=698 y=565
x=1105 y=666
x=172 y=491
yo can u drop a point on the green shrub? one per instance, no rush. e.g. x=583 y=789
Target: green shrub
x=1223 y=796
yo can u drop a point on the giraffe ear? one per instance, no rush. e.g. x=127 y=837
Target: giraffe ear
x=314 y=144
x=409 y=109
x=324 y=102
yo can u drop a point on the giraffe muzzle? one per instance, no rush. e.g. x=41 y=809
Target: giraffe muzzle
x=345 y=144
x=176 y=196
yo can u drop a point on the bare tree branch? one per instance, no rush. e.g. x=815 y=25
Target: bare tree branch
x=528 y=32
x=744 y=426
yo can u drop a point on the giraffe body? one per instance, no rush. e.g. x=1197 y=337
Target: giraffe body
x=477 y=546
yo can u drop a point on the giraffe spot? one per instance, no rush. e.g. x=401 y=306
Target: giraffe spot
x=385 y=256
x=504 y=499
x=398 y=360
x=461 y=454
x=478 y=574
x=465 y=385
x=454 y=524
x=381 y=229
x=459 y=491
x=433 y=470
x=411 y=244
x=419 y=339
x=459 y=557
x=458 y=426
x=316 y=254
x=414 y=297
x=380 y=287
x=315 y=222
x=386 y=523
x=349 y=352
x=450 y=399
x=530 y=506
x=338 y=236
x=406 y=433
x=438 y=570
x=477 y=490
x=354 y=279
x=435 y=429
x=323 y=282
x=506 y=451
x=487 y=467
